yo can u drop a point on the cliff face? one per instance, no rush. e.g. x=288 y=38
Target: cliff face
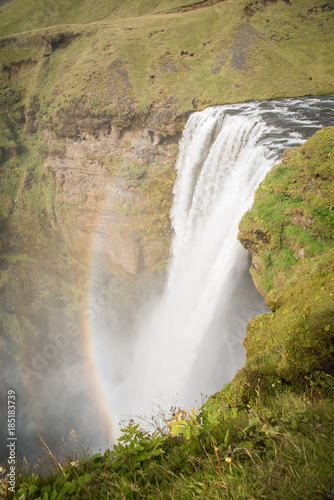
x=86 y=201
x=85 y=232
x=115 y=188
x=289 y=232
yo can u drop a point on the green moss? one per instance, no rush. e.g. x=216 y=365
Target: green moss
x=294 y=267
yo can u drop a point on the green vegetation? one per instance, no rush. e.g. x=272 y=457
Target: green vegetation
x=72 y=70
x=228 y=52
x=277 y=447
x=290 y=231
x=293 y=210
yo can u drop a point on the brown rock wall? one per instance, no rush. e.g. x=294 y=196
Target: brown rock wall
x=105 y=193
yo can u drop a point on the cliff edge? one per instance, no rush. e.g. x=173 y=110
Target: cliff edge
x=289 y=231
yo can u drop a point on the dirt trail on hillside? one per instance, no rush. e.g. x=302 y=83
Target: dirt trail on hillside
x=195 y=6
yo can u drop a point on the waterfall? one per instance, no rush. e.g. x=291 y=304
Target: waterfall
x=201 y=318
x=190 y=345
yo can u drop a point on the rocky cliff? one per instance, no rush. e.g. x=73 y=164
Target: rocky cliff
x=289 y=232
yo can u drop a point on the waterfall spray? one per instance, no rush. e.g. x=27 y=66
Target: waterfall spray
x=201 y=318
x=191 y=343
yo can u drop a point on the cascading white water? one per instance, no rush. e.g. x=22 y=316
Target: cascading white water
x=191 y=343
x=219 y=167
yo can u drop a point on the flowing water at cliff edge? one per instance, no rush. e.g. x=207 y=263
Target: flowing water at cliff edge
x=191 y=343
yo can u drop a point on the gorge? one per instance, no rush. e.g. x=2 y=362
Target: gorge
x=190 y=343
x=186 y=344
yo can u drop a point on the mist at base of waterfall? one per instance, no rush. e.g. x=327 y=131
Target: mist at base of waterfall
x=191 y=342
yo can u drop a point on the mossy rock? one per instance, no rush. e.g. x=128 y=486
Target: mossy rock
x=289 y=231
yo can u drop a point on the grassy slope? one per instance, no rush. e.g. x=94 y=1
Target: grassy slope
x=235 y=56
x=25 y=15
x=271 y=449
